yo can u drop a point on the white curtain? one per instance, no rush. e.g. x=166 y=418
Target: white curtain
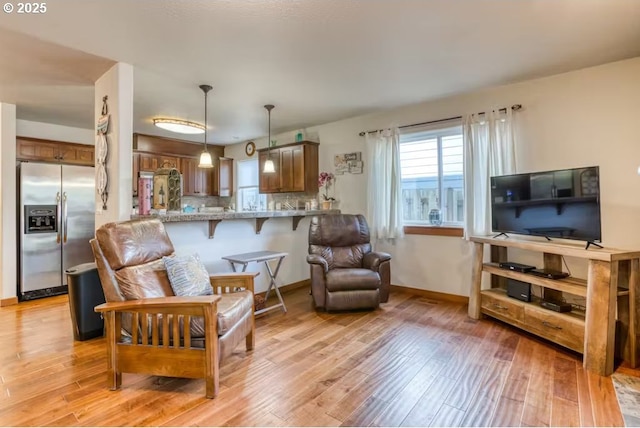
x=384 y=210
x=489 y=150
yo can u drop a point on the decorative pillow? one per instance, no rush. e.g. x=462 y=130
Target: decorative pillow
x=187 y=275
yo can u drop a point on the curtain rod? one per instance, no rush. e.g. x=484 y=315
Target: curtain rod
x=514 y=107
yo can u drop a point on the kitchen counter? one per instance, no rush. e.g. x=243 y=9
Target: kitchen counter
x=216 y=217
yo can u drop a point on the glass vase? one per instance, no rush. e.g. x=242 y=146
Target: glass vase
x=435 y=217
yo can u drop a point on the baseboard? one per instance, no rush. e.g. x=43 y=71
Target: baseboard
x=435 y=295
x=9 y=301
x=290 y=287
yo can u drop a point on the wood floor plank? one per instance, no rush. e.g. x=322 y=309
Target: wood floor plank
x=584 y=398
x=311 y=415
x=429 y=404
x=484 y=404
x=539 y=397
x=565 y=413
x=64 y=421
x=400 y=406
x=511 y=405
x=414 y=361
x=606 y=411
x=565 y=383
x=447 y=416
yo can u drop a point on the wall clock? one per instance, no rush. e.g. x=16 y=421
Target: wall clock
x=250 y=148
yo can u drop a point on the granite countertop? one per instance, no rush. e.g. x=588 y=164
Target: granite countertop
x=173 y=217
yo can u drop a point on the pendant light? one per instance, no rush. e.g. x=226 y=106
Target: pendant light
x=205 y=156
x=269 y=166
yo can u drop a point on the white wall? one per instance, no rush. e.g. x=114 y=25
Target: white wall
x=49 y=131
x=117 y=85
x=581 y=118
x=8 y=227
x=238 y=236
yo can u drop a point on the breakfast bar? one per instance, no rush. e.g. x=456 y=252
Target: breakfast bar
x=214 y=218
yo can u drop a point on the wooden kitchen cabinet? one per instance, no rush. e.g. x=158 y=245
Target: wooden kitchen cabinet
x=196 y=181
x=54 y=151
x=153 y=152
x=296 y=168
x=150 y=162
x=269 y=183
x=224 y=177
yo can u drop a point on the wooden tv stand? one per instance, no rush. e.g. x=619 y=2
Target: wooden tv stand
x=613 y=282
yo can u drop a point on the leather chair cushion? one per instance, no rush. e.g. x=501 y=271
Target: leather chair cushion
x=352 y=279
x=134 y=242
x=349 y=257
x=144 y=281
x=231 y=308
x=341 y=230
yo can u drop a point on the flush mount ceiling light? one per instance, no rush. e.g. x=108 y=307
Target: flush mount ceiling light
x=180 y=126
x=269 y=166
x=205 y=156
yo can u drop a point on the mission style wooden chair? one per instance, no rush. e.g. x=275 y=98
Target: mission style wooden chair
x=148 y=328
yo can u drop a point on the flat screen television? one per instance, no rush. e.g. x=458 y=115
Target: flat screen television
x=554 y=204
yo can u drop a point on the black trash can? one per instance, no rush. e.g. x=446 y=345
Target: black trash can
x=85 y=293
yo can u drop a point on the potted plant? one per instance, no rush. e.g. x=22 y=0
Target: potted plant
x=325 y=180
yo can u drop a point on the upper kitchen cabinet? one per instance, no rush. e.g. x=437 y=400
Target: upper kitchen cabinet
x=296 y=167
x=196 y=181
x=54 y=151
x=150 y=162
x=269 y=182
x=216 y=181
x=224 y=185
x=154 y=152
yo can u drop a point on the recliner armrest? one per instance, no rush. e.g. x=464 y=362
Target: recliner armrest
x=315 y=259
x=373 y=259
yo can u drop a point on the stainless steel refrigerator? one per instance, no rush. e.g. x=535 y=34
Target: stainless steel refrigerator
x=56 y=210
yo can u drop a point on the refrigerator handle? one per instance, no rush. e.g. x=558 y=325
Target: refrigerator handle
x=58 y=212
x=64 y=215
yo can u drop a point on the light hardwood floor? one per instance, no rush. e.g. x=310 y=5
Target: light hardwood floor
x=413 y=362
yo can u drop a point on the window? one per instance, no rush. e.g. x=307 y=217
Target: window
x=248 y=195
x=432 y=175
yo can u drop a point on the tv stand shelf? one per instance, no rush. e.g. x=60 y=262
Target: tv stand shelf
x=569 y=285
x=613 y=283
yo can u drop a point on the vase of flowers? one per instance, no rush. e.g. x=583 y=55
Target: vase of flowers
x=325 y=181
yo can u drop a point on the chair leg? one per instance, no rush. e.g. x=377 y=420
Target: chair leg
x=251 y=337
x=212 y=386
x=114 y=376
x=251 y=340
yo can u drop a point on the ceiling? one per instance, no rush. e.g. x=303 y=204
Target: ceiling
x=317 y=60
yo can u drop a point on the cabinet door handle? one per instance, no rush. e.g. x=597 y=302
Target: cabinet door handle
x=548 y=324
x=498 y=306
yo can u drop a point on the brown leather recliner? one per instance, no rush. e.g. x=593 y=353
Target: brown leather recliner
x=345 y=273
x=148 y=328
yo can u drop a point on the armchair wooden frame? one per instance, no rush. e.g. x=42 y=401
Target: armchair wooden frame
x=167 y=349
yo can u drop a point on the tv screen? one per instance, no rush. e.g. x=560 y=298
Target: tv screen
x=561 y=204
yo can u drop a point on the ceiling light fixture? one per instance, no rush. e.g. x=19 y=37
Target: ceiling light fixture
x=269 y=166
x=180 y=126
x=205 y=156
